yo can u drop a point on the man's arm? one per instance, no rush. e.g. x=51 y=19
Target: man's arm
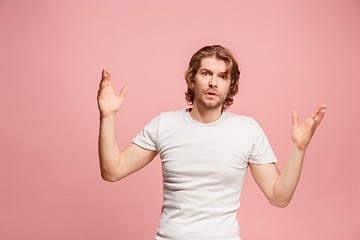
x=280 y=187
x=115 y=165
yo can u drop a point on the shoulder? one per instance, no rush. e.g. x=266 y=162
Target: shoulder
x=243 y=122
x=176 y=113
x=233 y=117
x=168 y=115
x=172 y=115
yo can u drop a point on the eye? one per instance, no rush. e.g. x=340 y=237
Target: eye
x=205 y=73
x=223 y=76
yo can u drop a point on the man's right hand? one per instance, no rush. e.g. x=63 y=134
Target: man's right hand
x=116 y=165
x=108 y=102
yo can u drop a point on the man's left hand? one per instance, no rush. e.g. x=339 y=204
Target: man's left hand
x=302 y=133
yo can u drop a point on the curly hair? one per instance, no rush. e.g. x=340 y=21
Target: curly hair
x=232 y=69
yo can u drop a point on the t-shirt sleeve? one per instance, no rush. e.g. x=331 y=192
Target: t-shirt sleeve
x=261 y=150
x=147 y=137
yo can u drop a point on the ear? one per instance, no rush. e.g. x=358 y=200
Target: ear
x=191 y=85
x=231 y=85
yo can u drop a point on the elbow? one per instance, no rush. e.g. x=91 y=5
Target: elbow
x=110 y=177
x=280 y=203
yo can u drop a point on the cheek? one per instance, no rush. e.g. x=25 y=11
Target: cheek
x=227 y=87
x=199 y=84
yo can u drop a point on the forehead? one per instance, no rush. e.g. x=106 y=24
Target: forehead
x=214 y=64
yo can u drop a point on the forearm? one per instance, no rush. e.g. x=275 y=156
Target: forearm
x=287 y=181
x=109 y=154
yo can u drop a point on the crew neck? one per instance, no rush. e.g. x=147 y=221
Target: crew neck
x=205 y=124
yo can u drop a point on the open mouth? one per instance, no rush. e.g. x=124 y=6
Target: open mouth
x=211 y=94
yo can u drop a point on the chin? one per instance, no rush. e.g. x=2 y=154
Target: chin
x=211 y=105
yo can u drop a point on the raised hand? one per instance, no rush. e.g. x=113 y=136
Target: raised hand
x=108 y=102
x=302 y=133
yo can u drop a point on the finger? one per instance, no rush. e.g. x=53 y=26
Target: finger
x=105 y=81
x=315 y=112
x=314 y=126
x=103 y=78
x=100 y=94
x=123 y=91
x=108 y=80
x=104 y=74
x=102 y=83
x=317 y=119
x=294 y=118
x=320 y=111
x=320 y=116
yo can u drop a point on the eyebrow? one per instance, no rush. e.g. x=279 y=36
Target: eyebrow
x=201 y=69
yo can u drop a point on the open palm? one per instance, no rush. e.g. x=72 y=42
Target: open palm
x=302 y=133
x=108 y=102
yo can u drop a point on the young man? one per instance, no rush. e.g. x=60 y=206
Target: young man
x=204 y=150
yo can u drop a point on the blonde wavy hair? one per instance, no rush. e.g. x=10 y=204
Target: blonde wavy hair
x=232 y=69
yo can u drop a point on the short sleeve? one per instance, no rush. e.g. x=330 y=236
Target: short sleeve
x=147 y=137
x=262 y=152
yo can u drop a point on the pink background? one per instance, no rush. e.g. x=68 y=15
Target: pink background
x=293 y=55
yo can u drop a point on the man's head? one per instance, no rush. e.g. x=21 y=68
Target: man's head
x=232 y=71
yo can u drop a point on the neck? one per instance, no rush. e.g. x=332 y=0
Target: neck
x=203 y=115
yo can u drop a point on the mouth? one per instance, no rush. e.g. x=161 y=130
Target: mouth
x=211 y=94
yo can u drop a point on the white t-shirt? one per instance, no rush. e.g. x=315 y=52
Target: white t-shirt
x=203 y=168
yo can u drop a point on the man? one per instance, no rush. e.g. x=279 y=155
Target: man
x=204 y=150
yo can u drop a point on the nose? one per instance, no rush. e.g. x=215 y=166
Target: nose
x=212 y=81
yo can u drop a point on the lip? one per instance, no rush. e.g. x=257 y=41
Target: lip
x=211 y=94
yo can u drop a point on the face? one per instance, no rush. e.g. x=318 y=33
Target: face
x=212 y=84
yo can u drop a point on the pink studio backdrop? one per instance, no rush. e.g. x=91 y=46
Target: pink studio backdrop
x=293 y=55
